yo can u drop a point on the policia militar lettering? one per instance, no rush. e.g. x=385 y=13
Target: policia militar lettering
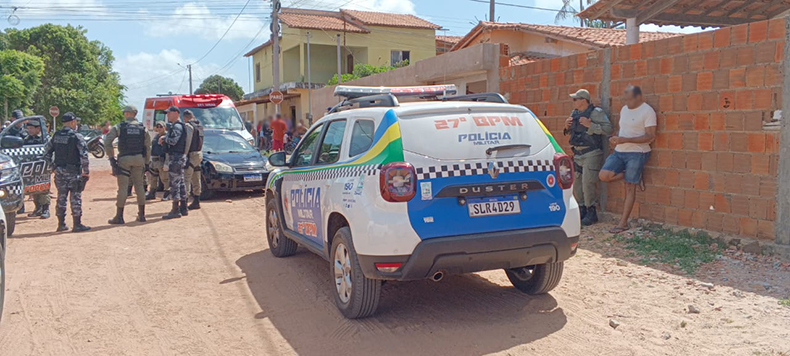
x=71 y=170
x=194 y=159
x=134 y=154
x=587 y=127
x=175 y=144
x=41 y=199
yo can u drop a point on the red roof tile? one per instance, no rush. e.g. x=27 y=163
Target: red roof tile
x=391 y=20
x=319 y=20
x=449 y=39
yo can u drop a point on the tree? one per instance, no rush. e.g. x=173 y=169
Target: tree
x=20 y=77
x=78 y=75
x=217 y=84
x=365 y=70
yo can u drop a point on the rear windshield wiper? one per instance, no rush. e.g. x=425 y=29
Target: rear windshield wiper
x=491 y=150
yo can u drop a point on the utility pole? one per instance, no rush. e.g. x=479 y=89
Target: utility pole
x=339 y=63
x=189 y=68
x=276 y=49
x=581 y=8
x=491 y=11
x=309 y=85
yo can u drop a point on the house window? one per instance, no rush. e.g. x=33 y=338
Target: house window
x=257 y=72
x=398 y=56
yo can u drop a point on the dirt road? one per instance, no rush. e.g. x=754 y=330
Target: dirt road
x=206 y=285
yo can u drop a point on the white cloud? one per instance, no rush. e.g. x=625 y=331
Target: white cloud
x=147 y=74
x=198 y=20
x=391 y=6
x=675 y=29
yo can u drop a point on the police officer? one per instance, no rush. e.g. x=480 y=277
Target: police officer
x=17 y=129
x=134 y=153
x=156 y=170
x=175 y=144
x=41 y=199
x=71 y=170
x=194 y=158
x=587 y=127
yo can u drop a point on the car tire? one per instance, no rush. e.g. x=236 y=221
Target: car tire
x=361 y=299
x=279 y=244
x=11 y=222
x=542 y=279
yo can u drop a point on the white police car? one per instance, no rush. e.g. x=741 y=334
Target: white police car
x=405 y=191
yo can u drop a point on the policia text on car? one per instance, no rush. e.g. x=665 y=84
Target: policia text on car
x=71 y=170
x=134 y=153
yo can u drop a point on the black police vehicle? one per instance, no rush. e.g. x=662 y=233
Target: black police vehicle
x=230 y=163
x=23 y=170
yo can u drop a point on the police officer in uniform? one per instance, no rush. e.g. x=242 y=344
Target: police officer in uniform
x=156 y=170
x=17 y=129
x=587 y=127
x=41 y=199
x=134 y=153
x=194 y=158
x=71 y=170
x=175 y=144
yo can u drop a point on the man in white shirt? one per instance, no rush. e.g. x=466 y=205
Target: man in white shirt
x=631 y=149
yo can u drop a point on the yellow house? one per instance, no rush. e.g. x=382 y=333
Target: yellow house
x=365 y=38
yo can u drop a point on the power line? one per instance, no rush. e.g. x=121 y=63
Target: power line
x=224 y=34
x=516 y=5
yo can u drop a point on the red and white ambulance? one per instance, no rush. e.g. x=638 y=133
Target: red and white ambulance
x=215 y=111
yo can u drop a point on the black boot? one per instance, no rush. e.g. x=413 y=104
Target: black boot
x=184 y=210
x=591 y=217
x=62 y=224
x=166 y=195
x=141 y=213
x=195 y=203
x=35 y=213
x=118 y=219
x=21 y=211
x=78 y=227
x=45 y=211
x=174 y=213
x=582 y=211
x=150 y=196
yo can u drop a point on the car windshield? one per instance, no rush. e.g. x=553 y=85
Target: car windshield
x=225 y=142
x=218 y=117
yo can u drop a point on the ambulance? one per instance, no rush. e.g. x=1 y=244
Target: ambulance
x=214 y=111
x=385 y=189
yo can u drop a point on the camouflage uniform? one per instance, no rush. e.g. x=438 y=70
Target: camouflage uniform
x=41 y=199
x=176 y=161
x=67 y=177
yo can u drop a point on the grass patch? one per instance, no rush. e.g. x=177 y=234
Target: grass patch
x=687 y=249
x=785 y=302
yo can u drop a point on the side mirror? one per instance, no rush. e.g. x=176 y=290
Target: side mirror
x=277 y=159
x=11 y=142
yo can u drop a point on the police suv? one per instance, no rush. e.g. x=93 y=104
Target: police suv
x=386 y=190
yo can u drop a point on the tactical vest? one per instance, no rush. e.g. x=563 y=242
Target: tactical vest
x=34 y=140
x=131 y=139
x=197 y=137
x=66 y=151
x=156 y=149
x=181 y=145
x=579 y=135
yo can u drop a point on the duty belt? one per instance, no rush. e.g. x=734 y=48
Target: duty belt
x=583 y=151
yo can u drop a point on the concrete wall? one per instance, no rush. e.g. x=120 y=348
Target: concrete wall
x=715 y=159
x=523 y=42
x=468 y=65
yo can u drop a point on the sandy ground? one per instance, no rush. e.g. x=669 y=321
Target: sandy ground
x=206 y=285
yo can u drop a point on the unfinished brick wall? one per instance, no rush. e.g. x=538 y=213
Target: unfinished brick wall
x=714 y=165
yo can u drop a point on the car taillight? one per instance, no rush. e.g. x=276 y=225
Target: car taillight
x=398 y=182
x=563 y=165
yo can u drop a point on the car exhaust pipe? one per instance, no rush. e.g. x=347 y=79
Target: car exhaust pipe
x=438 y=276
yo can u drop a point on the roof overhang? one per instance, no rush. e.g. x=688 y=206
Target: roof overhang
x=263 y=94
x=703 y=13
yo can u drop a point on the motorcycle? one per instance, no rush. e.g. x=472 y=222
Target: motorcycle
x=96 y=146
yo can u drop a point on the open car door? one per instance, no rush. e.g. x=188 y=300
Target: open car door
x=35 y=171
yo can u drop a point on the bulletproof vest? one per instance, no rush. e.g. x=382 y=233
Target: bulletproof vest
x=197 y=137
x=579 y=135
x=181 y=145
x=131 y=139
x=156 y=149
x=34 y=140
x=65 y=144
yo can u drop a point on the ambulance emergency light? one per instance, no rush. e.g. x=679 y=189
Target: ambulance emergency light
x=352 y=92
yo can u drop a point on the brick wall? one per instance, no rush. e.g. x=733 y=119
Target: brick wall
x=713 y=165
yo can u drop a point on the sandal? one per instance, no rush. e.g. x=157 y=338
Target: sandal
x=618 y=229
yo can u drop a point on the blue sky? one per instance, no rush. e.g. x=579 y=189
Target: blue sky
x=153 y=40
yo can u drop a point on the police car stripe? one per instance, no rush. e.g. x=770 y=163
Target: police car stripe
x=25 y=150
x=342 y=172
x=475 y=169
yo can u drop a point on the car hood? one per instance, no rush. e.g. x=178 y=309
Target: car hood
x=247 y=159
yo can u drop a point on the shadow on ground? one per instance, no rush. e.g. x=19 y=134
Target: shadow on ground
x=461 y=315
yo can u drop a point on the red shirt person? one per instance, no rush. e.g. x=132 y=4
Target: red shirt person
x=279 y=128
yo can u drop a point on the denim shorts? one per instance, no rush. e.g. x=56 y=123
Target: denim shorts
x=632 y=163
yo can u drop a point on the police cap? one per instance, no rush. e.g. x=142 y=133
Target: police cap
x=581 y=94
x=130 y=108
x=34 y=123
x=69 y=116
x=173 y=109
x=17 y=114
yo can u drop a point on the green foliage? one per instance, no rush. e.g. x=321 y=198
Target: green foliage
x=78 y=74
x=366 y=70
x=217 y=84
x=20 y=77
x=785 y=302
x=687 y=249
